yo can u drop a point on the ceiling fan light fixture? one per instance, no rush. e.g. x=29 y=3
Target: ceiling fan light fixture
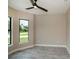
x=35 y=7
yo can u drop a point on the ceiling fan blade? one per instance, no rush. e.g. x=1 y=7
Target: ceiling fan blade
x=32 y=1
x=29 y=8
x=42 y=8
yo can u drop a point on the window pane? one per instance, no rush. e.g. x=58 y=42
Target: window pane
x=9 y=30
x=8 y=37
x=23 y=28
x=8 y=23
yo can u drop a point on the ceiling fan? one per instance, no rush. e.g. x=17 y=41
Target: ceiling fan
x=36 y=6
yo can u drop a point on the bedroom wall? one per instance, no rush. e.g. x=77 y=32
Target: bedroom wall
x=16 y=15
x=51 y=29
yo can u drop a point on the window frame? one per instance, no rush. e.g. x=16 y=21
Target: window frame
x=19 y=31
x=9 y=30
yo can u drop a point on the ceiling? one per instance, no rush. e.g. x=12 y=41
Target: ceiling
x=53 y=6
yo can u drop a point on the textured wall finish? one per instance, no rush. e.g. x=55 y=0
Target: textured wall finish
x=50 y=29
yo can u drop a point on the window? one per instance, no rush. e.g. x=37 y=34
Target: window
x=24 y=30
x=9 y=30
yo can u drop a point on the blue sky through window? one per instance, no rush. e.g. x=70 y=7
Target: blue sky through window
x=24 y=22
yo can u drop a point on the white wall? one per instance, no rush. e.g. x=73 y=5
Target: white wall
x=50 y=29
x=16 y=15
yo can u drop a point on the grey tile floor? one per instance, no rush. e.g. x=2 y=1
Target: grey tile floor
x=41 y=53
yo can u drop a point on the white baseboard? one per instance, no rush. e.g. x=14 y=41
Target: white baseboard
x=19 y=49
x=50 y=45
